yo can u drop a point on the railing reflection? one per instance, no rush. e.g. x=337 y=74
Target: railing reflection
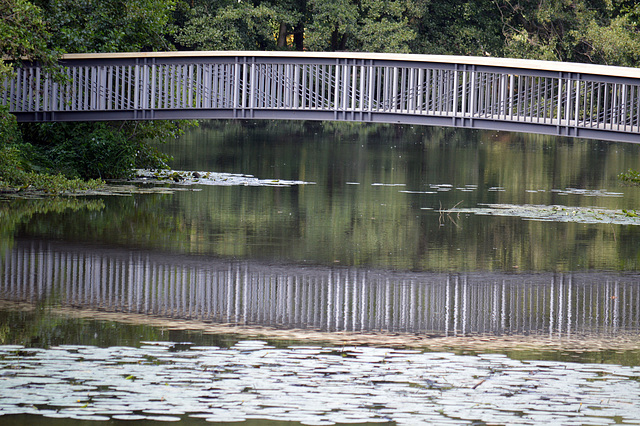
x=329 y=299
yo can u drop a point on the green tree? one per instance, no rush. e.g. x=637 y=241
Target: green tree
x=98 y=150
x=298 y=15
x=334 y=21
x=327 y=25
x=109 y=25
x=23 y=35
x=90 y=149
x=248 y=25
x=362 y=25
x=592 y=31
x=234 y=26
x=458 y=27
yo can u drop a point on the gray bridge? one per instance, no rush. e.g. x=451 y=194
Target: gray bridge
x=564 y=99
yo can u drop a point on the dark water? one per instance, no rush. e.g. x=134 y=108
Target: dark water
x=375 y=201
x=378 y=194
x=365 y=253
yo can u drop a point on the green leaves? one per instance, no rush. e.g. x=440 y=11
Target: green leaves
x=110 y=25
x=104 y=150
x=593 y=31
x=238 y=26
x=367 y=25
x=327 y=25
x=617 y=43
x=23 y=35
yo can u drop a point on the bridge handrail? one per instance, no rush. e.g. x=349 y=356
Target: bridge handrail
x=487 y=61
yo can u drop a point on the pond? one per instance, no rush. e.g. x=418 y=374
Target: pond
x=331 y=273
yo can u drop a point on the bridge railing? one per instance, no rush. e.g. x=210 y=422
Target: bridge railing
x=532 y=96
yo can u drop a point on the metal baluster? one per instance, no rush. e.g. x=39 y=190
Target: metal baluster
x=386 y=85
x=394 y=93
x=86 y=88
x=314 y=86
x=402 y=101
x=637 y=111
x=336 y=88
x=286 y=86
x=136 y=87
x=455 y=94
x=379 y=92
x=428 y=85
x=173 y=86
x=191 y=85
x=123 y=85
x=237 y=90
x=345 y=90
x=297 y=90
x=487 y=94
x=215 y=76
x=353 y=71
x=528 y=98
x=362 y=72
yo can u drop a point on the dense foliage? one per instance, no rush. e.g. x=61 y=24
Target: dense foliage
x=23 y=34
x=597 y=31
x=109 y=25
x=38 y=30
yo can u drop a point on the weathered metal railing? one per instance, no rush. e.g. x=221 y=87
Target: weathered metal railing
x=569 y=99
x=330 y=299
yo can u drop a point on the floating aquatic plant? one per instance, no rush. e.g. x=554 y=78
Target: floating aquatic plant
x=311 y=385
x=631 y=176
x=208 y=178
x=554 y=213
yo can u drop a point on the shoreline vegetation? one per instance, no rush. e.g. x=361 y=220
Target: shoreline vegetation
x=16 y=181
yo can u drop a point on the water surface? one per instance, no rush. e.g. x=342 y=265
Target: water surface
x=380 y=242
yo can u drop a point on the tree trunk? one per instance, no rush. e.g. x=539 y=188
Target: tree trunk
x=298 y=36
x=282 y=36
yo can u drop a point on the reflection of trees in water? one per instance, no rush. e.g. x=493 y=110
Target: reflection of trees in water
x=17 y=212
x=331 y=299
x=365 y=225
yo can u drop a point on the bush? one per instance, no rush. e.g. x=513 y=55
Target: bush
x=106 y=150
x=77 y=149
x=9 y=132
x=14 y=177
x=16 y=173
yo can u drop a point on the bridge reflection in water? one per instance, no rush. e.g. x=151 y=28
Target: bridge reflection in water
x=322 y=298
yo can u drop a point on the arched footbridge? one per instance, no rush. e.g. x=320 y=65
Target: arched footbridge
x=564 y=99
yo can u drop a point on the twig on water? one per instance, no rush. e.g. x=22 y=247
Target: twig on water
x=442 y=212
